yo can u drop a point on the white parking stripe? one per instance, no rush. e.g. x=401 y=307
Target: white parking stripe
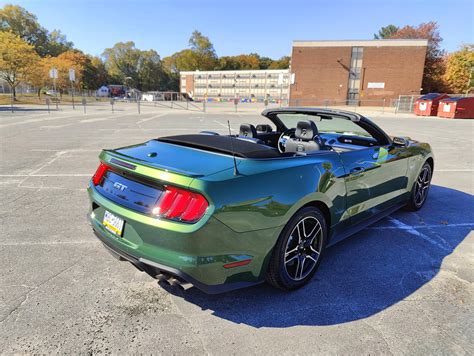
x=47 y=175
x=152 y=118
x=76 y=242
x=411 y=227
x=441 y=244
x=223 y=125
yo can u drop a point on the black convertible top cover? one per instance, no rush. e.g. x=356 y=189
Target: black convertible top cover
x=223 y=144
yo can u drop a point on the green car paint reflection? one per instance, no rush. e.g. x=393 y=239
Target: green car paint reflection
x=231 y=244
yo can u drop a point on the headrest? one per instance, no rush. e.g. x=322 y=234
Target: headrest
x=264 y=128
x=247 y=130
x=306 y=130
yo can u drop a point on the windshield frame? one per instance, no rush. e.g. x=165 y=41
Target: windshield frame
x=377 y=133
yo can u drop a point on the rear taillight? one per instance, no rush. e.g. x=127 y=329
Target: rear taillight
x=99 y=174
x=180 y=204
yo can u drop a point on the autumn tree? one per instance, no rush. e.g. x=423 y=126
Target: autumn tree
x=17 y=60
x=200 y=56
x=282 y=63
x=24 y=24
x=228 y=63
x=386 y=32
x=434 y=62
x=72 y=59
x=203 y=50
x=264 y=62
x=460 y=69
x=94 y=74
x=128 y=65
x=121 y=61
x=239 y=62
x=151 y=75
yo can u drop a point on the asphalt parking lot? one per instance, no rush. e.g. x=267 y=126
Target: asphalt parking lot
x=404 y=285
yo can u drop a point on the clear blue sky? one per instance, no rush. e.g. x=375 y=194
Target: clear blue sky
x=242 y=26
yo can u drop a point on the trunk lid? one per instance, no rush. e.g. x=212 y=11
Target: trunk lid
x=182 y=160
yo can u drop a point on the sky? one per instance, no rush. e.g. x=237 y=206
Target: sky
x=242 y=26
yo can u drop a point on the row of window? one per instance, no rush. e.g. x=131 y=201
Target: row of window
x=218 y=76
x=253 y=85
x=212 y=91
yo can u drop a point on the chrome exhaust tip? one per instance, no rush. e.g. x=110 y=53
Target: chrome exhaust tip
x=172 y=281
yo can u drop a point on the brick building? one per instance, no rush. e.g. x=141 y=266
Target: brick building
x=355 y=72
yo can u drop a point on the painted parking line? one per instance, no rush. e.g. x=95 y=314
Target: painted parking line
x=426 y=226
x=46 y=175
x=437 y=241
x=71 y=150
x=152 y=118
x=36 y=119
x=105 y=118
x=223 y=125
x=32 y=243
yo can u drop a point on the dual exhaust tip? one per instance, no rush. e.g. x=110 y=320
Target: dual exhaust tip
x=172 y=281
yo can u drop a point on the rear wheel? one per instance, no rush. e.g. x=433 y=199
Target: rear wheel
x=420 y=189
x=298 y=251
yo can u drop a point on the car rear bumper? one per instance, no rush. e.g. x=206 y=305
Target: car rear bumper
x=160 y=271
x=196 y=255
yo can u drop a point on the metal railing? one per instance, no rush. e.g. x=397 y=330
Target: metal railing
x=82 y=100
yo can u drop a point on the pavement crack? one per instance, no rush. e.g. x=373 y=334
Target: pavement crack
x=197 y=334
x=27 y=295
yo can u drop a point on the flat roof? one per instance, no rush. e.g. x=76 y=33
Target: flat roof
x=362 y=43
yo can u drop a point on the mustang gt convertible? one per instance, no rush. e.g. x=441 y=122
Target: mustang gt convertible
x=221 y=212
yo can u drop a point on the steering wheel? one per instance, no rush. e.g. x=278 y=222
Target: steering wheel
x=285 y=135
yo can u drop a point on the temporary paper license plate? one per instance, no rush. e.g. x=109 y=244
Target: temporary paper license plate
x=113 y=223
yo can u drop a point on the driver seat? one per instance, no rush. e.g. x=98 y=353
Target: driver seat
x=306 y=138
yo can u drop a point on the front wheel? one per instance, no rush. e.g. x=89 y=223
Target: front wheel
x=420 y=189
x=298 y=251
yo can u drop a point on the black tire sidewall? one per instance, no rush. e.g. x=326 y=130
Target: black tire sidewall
x=284 y=281
x=412 y=205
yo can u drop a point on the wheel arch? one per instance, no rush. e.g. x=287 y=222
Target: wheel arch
x=323 y=208
x=430 y=161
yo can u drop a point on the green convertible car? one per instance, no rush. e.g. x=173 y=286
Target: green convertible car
x=221 y=212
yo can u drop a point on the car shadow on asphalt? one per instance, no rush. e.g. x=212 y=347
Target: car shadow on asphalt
x=360 y=276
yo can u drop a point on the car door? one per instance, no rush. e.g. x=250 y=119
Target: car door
x=375 y=179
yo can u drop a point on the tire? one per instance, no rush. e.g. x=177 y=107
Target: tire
x=421 y=187
x=303 y=250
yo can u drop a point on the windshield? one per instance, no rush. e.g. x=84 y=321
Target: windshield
x=326 y=124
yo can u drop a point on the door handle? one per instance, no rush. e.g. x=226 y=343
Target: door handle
x=357 y=170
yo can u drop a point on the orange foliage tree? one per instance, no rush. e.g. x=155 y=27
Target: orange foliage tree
x=433 y=80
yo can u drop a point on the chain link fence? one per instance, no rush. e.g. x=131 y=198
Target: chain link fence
x=28 y=97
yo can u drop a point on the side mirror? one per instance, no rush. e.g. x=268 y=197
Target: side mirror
x=400 y=141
